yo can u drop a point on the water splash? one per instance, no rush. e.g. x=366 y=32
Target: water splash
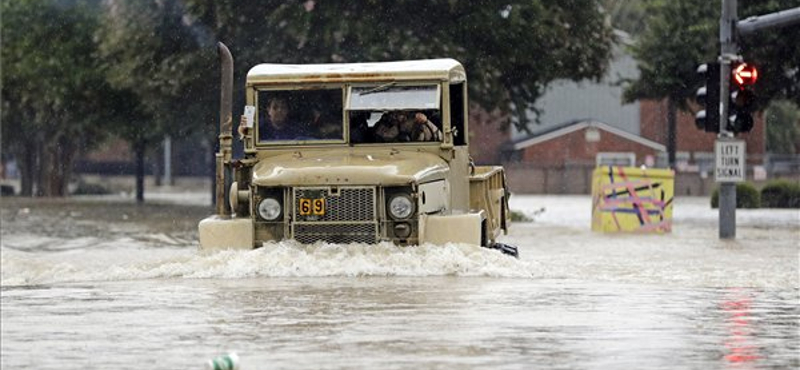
x=284 y=259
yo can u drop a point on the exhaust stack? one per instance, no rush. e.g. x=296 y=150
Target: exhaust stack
x=223 y=157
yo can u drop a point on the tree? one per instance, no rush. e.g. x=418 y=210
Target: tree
x=681 y=34
x=53 y=90
x=783 y=127
x=674 y=42
x=154 y=56
x=773 y=52
x=511 y=49
x=156 y=67
x=626 y=15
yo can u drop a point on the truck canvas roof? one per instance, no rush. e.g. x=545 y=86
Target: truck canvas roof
x=430 y=69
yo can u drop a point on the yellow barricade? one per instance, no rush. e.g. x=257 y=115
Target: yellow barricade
x=632 y=199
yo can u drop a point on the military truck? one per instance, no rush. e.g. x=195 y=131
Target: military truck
x=356 y=152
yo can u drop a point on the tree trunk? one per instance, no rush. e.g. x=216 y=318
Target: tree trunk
x=158 y=168
x=55 y=166
x=42 y=164
x=68 y=153
x=54 y=177
x=672 y=123
x=27 y=165
x=139 y=150
x=60 y=155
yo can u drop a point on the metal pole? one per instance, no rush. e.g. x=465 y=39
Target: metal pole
x=782 y=18
x=168 y=161
x=728 y=50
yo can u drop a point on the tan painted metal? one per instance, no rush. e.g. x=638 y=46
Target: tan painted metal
x=455 y=201
x=464 y=228
x=434 y=197
x=348 y=167
x=459 y=174
x=217 y=232
x=223 y=158
x=488 y=192
x=448 y=70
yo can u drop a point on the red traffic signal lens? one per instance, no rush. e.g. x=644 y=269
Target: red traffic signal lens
x=744 y=74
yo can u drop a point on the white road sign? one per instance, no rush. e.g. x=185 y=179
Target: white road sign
x=730 y=156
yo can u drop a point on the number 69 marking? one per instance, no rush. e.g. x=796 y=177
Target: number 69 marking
x=312 y=207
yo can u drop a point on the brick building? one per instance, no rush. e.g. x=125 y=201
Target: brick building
x=586 y=141
x=561 y=160
x=584 y=123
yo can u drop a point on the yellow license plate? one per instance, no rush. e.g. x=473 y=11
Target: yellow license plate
x=312 y=207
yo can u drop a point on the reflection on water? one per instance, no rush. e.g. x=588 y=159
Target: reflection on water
x=739 y=315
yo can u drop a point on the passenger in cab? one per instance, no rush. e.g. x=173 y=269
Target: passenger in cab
x=400 y=126
x=277 y=124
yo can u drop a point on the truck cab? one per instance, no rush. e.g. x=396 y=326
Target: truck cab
x=357 y=152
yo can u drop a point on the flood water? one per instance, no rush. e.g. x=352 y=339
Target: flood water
x=99 y=285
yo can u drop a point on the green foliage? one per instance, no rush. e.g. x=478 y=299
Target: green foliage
x=626 y=15
x=49 y=62
x=677 y=38
x=85 y=188
x=682 y=34
x=781 y=194
x=73 y=69
x=517 y=216
x=154 y=57
x=54 y=94
x=747 y=196
x=511 y=49
x=768 y=49
x=783 y=127
x=159 y=61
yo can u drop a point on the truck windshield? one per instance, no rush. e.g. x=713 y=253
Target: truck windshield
x=392 y=97
x=300 y=115
x=384 y=113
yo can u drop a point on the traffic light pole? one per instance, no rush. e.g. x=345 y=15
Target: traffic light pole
x=730 y=152
x=728 y=51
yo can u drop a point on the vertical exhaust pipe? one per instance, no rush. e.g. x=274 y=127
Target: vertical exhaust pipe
x=223 y=157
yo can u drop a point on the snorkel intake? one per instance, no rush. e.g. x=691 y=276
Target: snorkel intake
x=223 y=157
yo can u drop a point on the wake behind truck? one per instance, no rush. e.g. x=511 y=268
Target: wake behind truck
x=357 y=152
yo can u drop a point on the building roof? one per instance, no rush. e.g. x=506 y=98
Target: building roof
x=576 y=125
x=430 y=69
x=567 y=100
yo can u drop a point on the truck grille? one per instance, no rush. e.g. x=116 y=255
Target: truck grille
x=348 y=216
x=335 y=233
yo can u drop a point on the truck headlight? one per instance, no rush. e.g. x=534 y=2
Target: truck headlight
x=401 y=207
x=269 y=209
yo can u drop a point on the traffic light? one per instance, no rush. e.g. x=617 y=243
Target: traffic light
x=708 y=97
x=741 y=99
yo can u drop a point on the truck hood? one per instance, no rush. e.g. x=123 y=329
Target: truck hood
x=386 y=167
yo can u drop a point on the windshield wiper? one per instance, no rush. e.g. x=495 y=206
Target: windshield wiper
x=380 y=88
